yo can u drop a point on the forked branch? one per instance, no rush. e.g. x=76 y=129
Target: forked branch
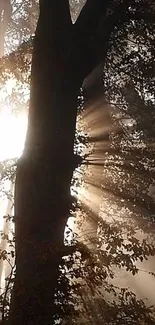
x=96 y=24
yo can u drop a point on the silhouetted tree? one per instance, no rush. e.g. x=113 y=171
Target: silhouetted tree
x=64 y=58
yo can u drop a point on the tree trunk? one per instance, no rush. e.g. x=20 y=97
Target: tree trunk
x=42 y=190
x=42 y=202
x=5 y=18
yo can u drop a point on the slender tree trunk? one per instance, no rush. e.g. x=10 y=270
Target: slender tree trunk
x=5 y=17
x=42 y=191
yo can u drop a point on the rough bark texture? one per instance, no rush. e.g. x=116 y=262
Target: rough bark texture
x=42 y=193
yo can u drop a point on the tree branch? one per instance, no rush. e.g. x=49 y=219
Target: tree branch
x=89 y=16
x=52 y=37
x=92 y=32
x=6 y=293
x=94 y=27
x=144 y=16
x=55 y=17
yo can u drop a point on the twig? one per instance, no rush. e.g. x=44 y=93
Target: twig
x=5 y=295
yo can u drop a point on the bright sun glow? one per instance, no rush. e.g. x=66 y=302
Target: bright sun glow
x=12 y=135
x=12 y=128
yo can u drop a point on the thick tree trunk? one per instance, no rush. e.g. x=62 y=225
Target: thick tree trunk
x=42 y=202
x=42 y=191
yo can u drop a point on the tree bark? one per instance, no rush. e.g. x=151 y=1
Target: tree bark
x=42 y=190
